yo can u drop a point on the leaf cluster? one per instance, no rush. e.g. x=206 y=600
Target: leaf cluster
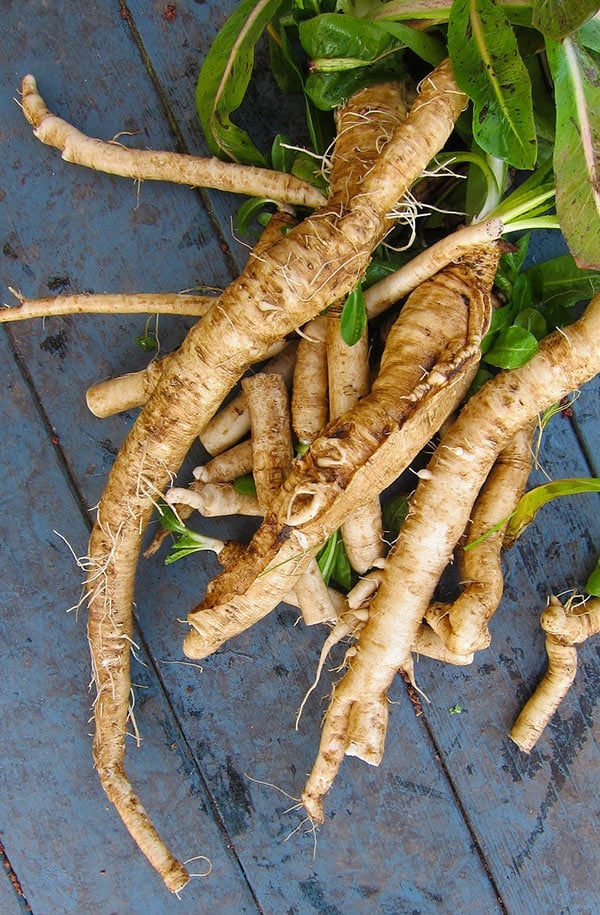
x=529 y=66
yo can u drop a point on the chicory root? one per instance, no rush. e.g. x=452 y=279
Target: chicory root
x=232 y=423
x=227 y=466
x=106 y=304
x=310 y=398
x=317 y=262
x=463 y=625
x=565 y=628
x=356 y=721
x=214 y=500
x=348 y=374
x=273 y=452
x=430 y=356
x=152 y=165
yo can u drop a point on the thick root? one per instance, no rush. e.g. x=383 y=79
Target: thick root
x=460 y=465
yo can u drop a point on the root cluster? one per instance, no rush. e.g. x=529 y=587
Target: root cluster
x=360 y=426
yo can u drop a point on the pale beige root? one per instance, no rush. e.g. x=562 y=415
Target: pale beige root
x=270 y=426
x=153 y=165
x=440 y=509
x=267 y=402
x=126 y=392
x=227 y=466
x=430 y=357
x=363 y=126
x=232 y=423
x=430 y=645
x=108 y=304
x=565 y=627
x=115 y=395
x=214 y=500
x=463 y=625
x=316 y=263
x=396 y=286
x=224 y=468
x=310 y=399
x=348 y=374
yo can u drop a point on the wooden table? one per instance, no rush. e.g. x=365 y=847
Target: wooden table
x=456 y=818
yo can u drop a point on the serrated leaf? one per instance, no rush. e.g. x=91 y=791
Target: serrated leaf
x=487 y=66
x=224 y=79
x=353 y=319
x=558 y=18
x=576 y=164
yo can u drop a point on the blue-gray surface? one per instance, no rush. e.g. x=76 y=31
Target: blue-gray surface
x=455 y=818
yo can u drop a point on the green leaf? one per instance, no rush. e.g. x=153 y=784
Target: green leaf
x=488 y=67
x=342 y=570
x=558 y=18
x=224 y=79
x=561 y=282
x=245 y=485
x=509 y=266
x=393 y=515
x=513 y=347
x=282 y=157
x=354 y=317
x=589 y=34
x=169 y=519
x=423 y=45
x=346 y=54
x=529 y=504
x=326 y=556
x=147 y=342
x=592 y=585
x=576 y=166
x=249 y=211
x=337 y=37
x=533 y=321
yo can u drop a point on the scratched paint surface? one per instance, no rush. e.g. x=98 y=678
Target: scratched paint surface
x=455 y=818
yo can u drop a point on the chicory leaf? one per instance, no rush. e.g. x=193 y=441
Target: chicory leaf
x=354 y=317
x=530 y=503
x=576 y=164
x=224 y=79
x=487 y=66
x=513 y=347
x=592 y=585
x=558 y=18
x=561 y=282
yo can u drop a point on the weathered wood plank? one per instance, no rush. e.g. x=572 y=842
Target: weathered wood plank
x=64 y=842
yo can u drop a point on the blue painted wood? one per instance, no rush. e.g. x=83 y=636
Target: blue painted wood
x=452 y=800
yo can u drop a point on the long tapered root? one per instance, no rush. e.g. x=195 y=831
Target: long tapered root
x=152 y=165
